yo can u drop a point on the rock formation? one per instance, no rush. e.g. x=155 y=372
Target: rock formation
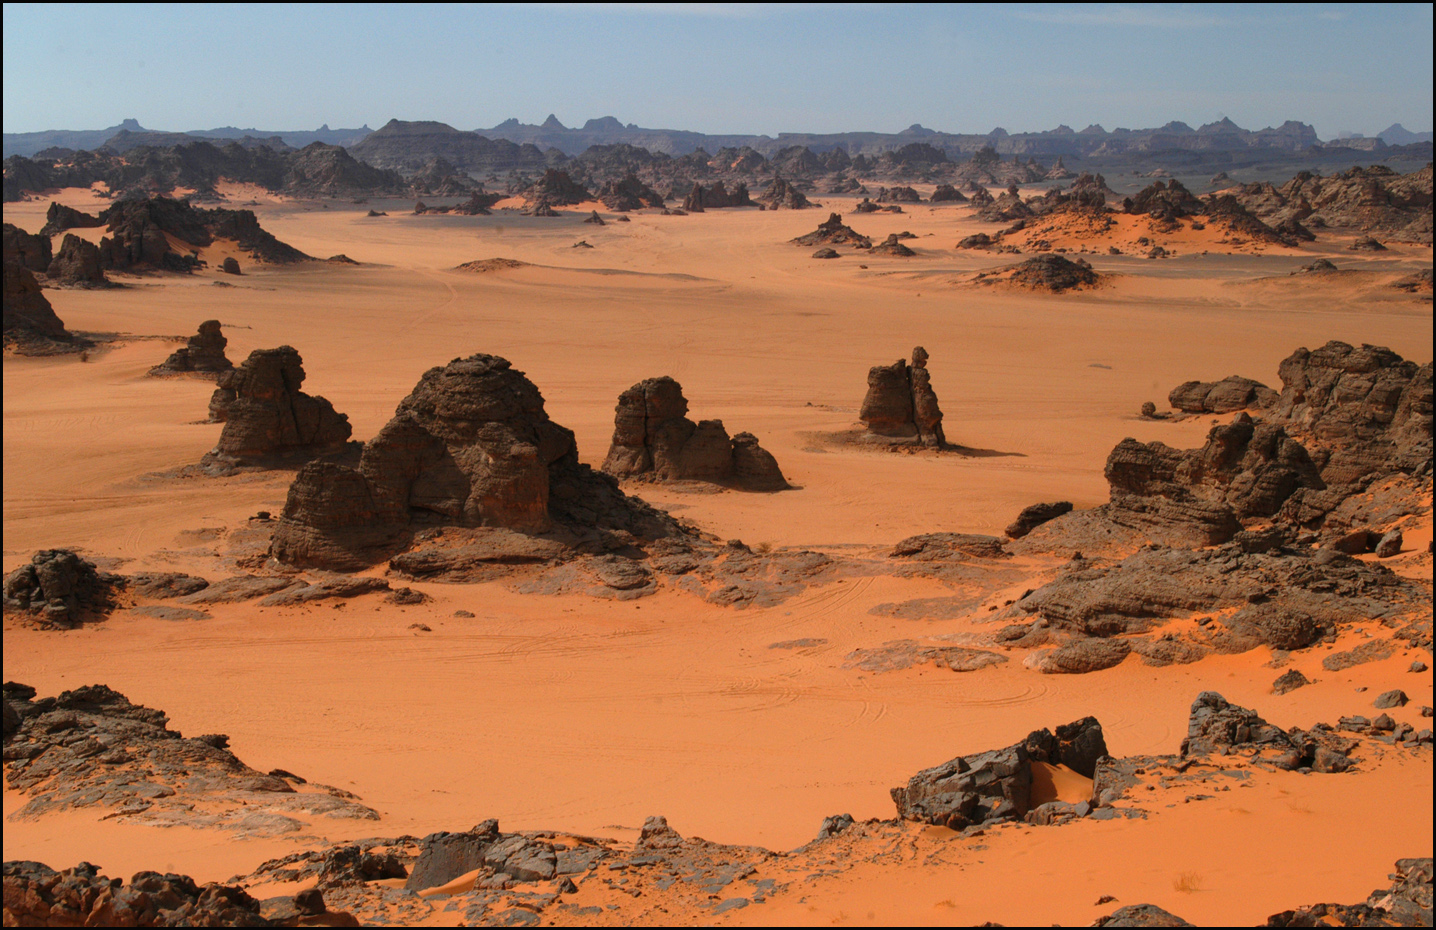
x=1052 y=273
x=946 y=193
x=38 y=896
x=1226 y=396
x=471 y=446
x=651 y=436
x=1034 y=516
x=60 y=588
x=901 y=404
x=783 y=195
x=997 y=785
x=266 y=415
x=898 y=195
x=30 y=324
x=554 y=189
x=629 y=193
x=1246 y=469
x=717 y=197
x=60 y=218
x=833 y=231
x=77 y=264
x=891 y=246
x=29 y=250
x=140 y=232
x=204 y=353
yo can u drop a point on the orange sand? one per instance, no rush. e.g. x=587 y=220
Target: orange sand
x=586 y=715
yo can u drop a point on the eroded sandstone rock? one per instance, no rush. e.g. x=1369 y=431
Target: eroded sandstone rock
x=651 y=435
x=265 y=414
x=471 y=446
x=901 y=404
x=204 y=353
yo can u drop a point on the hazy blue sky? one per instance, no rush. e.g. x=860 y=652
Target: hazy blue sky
x=719 y=68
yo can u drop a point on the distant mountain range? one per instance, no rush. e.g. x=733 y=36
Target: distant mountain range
x=130 y=134
x=1223 y=135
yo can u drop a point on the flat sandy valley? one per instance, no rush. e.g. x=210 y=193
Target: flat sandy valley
x=586 y=715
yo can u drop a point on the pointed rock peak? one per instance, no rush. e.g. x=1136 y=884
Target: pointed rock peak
x=553 y=123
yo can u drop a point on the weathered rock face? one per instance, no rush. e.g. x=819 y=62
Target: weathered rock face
x=30 y=322
x=996 y=785
x=1053 y=273
x=1199 y=496
x=77 y=264
x=1218 y=726
x=204 y=353
x=1226 y=396
x=1362 y=410
x=901 y=403
x=554 y=189
x=60 y=588
x=30 y=250
x=38 y=896
x=265 y=413
x=60 y=218
x=471 y=446
x=652 y=436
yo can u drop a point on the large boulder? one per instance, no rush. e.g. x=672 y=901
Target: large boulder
x=901 y=404
x=996 y=785
x=1226 y=396
x=651 y=436
x=265 y=414
x=203 y=353
x=471 y=446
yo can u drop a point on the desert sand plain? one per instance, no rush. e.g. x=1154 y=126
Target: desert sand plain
x=572 y=713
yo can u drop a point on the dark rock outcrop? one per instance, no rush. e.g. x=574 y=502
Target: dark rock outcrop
x=1226 y=396
x=32 y=250
x=140 y=232
x=204 y=353
x=629 y=193
x=31 y=326
x=61 y=589
x=471 y=446
x=60 y=218
x=901 y=404
x=1216 y=726
x=996 y=785
x=77 y=264
x=1034 y=516
x=781 y=195
x=1407 y=903
x=266 y=415
x=1053 y=273
x=1199 y=496
x=946 y=193
x=892 y=246
x=717 y=197
x=38 y=896
x=652 y=436
x=833 y=231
